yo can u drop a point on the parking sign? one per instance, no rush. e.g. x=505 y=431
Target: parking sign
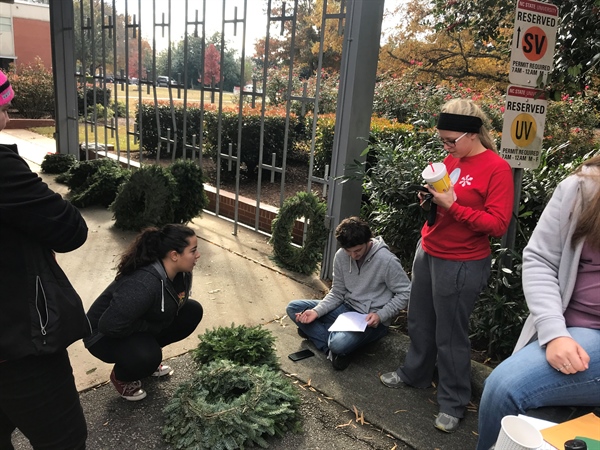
x=534 y=38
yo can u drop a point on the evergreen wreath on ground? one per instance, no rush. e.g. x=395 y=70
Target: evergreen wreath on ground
x=242 y=345
x=229 y=406
x=299 y=259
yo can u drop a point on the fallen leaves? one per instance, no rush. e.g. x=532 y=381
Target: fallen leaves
x=359 y=418
x=346 y=424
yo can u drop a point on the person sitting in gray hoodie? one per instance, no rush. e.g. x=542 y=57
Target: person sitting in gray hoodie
x=367 y=278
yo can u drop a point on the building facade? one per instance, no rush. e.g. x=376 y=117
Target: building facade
x=24 y=33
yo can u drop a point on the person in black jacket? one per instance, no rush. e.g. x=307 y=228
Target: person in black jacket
x=146 y=307
x=40 y=312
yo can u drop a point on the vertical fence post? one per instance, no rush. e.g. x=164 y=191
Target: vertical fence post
x=63 y=67
x=360 y=55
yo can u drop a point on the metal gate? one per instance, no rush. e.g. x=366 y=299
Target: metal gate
x=116 y=44
x=120 y=46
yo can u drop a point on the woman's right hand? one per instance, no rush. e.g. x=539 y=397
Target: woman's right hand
x=566 y=355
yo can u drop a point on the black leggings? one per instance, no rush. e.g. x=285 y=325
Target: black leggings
x=138 y=355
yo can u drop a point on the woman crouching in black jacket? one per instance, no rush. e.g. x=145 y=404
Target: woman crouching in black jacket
x=146 y=307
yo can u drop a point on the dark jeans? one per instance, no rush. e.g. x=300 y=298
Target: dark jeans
x=38 y=396
x=138 y=355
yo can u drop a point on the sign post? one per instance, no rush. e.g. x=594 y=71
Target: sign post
x=531 y=62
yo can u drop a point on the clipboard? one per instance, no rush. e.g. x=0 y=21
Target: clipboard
x=587 y=426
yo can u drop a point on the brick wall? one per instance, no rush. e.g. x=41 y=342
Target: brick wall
x=32 y=38
x=247 y=212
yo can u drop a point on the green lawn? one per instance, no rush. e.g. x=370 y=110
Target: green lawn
x=162 y=93
x=100 y=132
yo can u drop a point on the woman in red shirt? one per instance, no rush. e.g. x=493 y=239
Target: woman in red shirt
x=453 y=260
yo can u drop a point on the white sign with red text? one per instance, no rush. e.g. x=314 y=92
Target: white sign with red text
x=534 y=38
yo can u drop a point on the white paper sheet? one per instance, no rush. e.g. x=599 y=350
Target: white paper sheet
x=350 y=321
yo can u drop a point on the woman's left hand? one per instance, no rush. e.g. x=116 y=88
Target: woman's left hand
x=443 y=199
x=566 y=355
x=373 y=320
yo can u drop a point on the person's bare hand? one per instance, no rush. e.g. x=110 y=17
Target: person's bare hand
x=373 y=320
x=443 y=199
x=566 y=355
x=307 y=316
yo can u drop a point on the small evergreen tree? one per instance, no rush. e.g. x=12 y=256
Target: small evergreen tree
x=242 y=345
x=56 y=163
x=191 y=198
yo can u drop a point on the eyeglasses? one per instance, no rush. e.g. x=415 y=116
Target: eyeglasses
x=452 y=142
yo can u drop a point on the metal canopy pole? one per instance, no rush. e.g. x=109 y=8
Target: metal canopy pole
x=63 y=68
x=360 y=55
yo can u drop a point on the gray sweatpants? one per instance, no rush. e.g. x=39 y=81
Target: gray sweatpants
x=442 y=298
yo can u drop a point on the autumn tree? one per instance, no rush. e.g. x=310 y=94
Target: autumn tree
x=306 y=36
x=577 y=53
x=441 y=55
x=212 y=66
x=192 y=60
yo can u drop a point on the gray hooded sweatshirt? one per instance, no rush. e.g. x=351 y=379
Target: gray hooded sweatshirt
x=380 y=285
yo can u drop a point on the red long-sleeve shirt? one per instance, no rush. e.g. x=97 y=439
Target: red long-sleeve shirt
x=483 y=206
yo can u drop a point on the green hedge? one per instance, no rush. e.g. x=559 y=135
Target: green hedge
x=274 y=132
x=34 y=90
x=382 y=131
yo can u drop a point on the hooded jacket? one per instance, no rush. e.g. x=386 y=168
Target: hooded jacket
x=380 y=285
x=143 y=301
x=550 y=263
x=40 y=312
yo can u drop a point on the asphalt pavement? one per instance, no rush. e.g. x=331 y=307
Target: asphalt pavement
x=237 y=283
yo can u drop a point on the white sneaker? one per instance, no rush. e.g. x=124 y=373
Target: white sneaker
x=163 y=370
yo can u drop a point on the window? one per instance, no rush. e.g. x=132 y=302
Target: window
x=5 y=24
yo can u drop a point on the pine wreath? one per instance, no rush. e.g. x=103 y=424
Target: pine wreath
x=299 y=259
x=228 y=406
x=146 y=199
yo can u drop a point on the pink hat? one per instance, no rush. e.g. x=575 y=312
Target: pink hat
x=6 y=91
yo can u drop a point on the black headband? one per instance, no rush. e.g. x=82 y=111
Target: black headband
x=459 y=122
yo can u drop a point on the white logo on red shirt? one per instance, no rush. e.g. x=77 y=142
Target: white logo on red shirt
x=466 y=180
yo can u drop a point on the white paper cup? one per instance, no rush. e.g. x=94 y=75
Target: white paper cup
x=518 y=434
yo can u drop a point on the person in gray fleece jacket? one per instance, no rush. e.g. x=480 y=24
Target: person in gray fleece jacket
x=556 y=361
x=367 y=278
x=146 y=307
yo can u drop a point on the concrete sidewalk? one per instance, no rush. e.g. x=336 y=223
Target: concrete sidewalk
x=237 y=283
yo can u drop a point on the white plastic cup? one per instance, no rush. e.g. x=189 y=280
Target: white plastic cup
x=518 y=434
x=436 y=176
